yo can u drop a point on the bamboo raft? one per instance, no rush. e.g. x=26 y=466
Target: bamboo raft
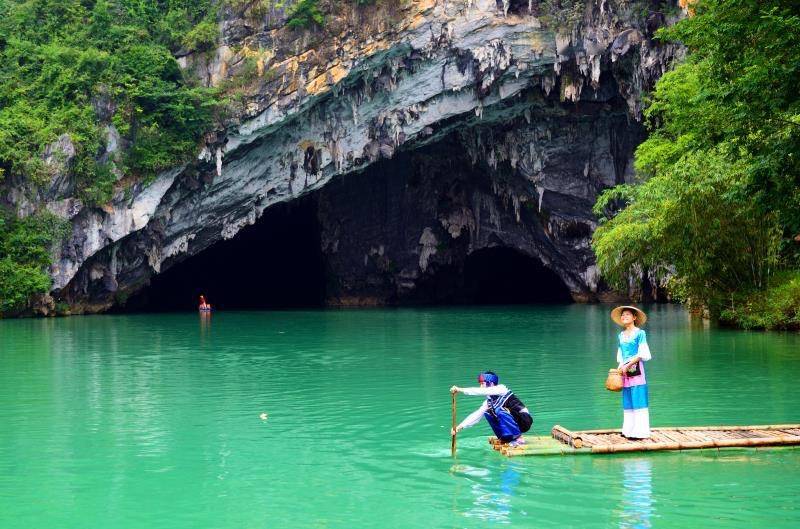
x=567 y=442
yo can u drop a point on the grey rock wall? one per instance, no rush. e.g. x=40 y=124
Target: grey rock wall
x=528 y=184
x=550 y=117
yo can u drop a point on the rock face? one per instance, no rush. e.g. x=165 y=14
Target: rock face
x=465 y=124
x=390 y=233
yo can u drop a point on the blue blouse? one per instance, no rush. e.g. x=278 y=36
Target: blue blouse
x=631 y=346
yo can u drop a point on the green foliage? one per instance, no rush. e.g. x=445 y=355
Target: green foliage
x=562 y=15
x=96 y=181
x=690 y=222
x=777 y=307
x=246 y=75
x=203 y=36
x=305 y=14
x=255 y=10
x=24 y=257
x=720 y=201
x=748 y=53
x=60 y=57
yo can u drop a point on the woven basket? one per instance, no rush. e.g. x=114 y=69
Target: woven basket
x=614 y=380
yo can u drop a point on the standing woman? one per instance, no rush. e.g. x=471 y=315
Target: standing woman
x=631 y=355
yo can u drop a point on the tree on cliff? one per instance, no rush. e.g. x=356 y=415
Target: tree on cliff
x=74 y=70
x=718 y=207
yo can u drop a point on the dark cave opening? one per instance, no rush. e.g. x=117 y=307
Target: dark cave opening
x=275 y=263
x=517 y=7
x=504 y=276
x=371 y=222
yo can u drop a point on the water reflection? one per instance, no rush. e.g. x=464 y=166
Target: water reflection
x=637 y=494
x=493 y=493
x=205 y=324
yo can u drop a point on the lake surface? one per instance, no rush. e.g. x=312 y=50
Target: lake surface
x=152 y=421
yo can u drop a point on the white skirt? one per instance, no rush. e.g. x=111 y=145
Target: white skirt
x=636 y=423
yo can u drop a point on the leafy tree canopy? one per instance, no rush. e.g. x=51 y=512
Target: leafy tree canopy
x=59 y=59
x=72 y=67
x=718 y=205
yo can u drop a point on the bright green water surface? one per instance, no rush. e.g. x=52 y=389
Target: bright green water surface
x=151 y=421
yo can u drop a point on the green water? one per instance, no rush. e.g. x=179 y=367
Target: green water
x=150 y=421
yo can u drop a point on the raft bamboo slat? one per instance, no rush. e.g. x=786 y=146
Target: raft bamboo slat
x=670 y=436
x=564 y=442
x=697 y=436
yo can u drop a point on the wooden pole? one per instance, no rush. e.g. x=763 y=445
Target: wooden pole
x=453 y=434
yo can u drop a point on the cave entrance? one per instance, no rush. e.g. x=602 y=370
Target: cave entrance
x=504 y=276
x=275 y=263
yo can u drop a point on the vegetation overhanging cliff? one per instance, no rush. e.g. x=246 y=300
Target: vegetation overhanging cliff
x=106 y=105
x=290 y=102
x=718 y=208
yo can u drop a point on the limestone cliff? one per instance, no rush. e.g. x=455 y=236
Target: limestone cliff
x=482 y=123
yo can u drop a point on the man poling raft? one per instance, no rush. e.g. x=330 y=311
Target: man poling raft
x=505 y=413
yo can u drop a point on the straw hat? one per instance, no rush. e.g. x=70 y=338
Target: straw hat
x=616 y=315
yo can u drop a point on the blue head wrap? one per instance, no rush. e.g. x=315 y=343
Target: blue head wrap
x=489 y=377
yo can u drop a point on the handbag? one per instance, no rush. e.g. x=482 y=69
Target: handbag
x=614 y=380
x=635 y=370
